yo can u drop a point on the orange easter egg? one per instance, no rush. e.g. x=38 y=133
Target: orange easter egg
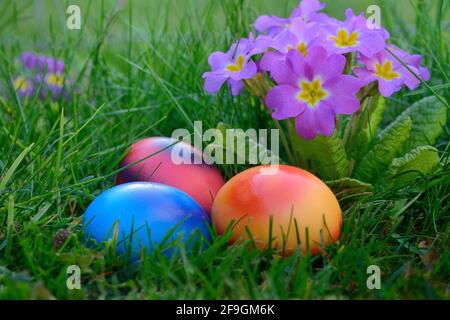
x=298 y=202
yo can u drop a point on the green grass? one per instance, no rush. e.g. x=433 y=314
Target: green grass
x=138 y=73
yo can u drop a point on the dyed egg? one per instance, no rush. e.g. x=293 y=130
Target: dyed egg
x=171 y=163
x=295 y=199
x=147 y=212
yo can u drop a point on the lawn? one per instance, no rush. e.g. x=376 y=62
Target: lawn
x=136 y=69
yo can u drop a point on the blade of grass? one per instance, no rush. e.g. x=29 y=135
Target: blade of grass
x=13 y=167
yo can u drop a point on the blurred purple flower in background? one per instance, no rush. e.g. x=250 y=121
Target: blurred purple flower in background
x=29 y=60
x=37 y=69
x=55 y=83
x=32 y=61
x=23 y=86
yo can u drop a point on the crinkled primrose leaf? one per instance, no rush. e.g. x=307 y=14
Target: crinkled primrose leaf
x=388 y=146
x=418 y=162
x=428 y=117
x=325 y=156
x=350 y=191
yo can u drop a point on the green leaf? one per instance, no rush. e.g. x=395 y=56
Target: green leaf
x=387 y=147
x=420 y=161
x=370 y=119
x=429 y=116
x=348 y=191
x=375 y=116
x=324 y=156
x=254 y=150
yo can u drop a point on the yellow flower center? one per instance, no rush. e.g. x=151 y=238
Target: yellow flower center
x=20 y=83
x=385 y=71
x=344 y=39
x=311 y=92
x=56 y=80
x=237 y=66
x=301 y=47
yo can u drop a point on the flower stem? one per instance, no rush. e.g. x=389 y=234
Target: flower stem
x=257 y=85
x=350 y=58
x=285 y=142
x=359 y=119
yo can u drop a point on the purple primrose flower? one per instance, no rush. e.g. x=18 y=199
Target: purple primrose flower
x=40 y=69
x=413 y=61
x=353 y=35
x=306 y=56
x=307 y=11
x=29 y=60
x=312 y=90
x=23 y=86
x=300 y=36
x=235 y=65
x=390 y=74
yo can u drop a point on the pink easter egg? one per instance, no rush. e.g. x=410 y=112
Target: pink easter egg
x=157 y=159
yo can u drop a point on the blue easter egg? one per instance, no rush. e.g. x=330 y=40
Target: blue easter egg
x=145 y=213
